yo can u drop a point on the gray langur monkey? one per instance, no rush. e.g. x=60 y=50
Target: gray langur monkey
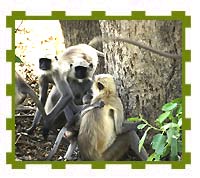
x=96 y=40
x=22 y=90
x=101 y=135
x=71 y=75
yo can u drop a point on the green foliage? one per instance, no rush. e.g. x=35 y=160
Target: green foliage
x=167 y=142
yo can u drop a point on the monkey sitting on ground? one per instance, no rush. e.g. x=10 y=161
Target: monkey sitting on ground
x=71 y=75
x=87 y=107
x=101 y=135
x=22 y=89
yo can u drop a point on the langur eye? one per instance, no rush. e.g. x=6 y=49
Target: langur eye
x=91 y=65
x=71 y=65
x=100 y=86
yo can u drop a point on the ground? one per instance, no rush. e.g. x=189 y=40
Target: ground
x=34 y=147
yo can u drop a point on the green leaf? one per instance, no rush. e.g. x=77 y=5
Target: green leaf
x=151 y=157
x=174 y=150
x=179 y=111
x=141 y=142
x=180 y=122
x=158 y=143
x=17 y=59
x=162 y=117
x=134 y=119
x=157 y=157
x=167 y=150
x=141 y=126
x=168 y=125
x=177 y=100
x=169 y=106
x=172 y=133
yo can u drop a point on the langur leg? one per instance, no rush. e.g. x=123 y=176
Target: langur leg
x=71 y=148
x=56 y=144
x=121 y=145
x=68 y=113
x=71 y=121
x=129 y=126
x=36 y=120
x=67 y=132
x=69 y=116
x=118 y=148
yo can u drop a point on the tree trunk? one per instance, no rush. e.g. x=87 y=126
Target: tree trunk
x=82 y=31
x=145 y=80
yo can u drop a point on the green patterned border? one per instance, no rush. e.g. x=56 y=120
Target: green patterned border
x=97 y=15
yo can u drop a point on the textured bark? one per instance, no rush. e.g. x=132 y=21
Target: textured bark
x=82 y=31
x=145 y=80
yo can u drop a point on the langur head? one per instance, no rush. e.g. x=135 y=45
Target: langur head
x=47 y=64
x=104 y=84
x=82 y=60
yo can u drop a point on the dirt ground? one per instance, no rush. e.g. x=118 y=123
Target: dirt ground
x=34 y=147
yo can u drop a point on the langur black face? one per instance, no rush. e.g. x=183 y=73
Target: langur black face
x=45 y=63
x=82 y=72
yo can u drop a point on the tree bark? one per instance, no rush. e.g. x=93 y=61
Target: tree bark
x=145 y=80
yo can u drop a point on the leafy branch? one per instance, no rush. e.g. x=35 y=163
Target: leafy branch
x=167 y=143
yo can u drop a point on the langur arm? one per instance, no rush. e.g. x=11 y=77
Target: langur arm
x=118 y=120
x=36 y=100
x=43 y=84
x=98 y=104
x=26 y=89
x=66 y=97
x=75 y=120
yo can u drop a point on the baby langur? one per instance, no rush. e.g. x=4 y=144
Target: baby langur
x=101 y=135
x=136 y=43
x=71 y=75
x=22 y=89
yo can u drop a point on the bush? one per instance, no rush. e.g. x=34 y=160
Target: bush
x=167 y=142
